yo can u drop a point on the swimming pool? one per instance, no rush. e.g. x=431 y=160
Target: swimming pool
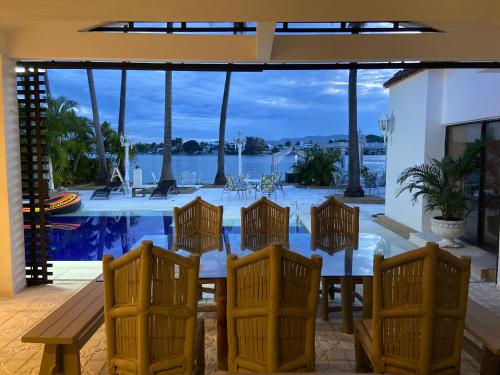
x=94 y=234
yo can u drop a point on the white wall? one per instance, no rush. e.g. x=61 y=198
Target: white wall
x=471 y=94
x=423 y=105
x=12 y=264
x=406 y=145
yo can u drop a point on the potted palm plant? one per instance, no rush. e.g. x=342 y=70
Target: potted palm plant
x=441 y=184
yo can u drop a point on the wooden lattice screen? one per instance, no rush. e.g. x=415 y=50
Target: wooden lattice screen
x=34 y=169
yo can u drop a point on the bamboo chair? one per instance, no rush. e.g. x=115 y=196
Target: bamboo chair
x=198 y=226
x=334 y=227
x=271 y=310
x=419 y=307
x=150 y=297
x=263 y=223
x=198 y=229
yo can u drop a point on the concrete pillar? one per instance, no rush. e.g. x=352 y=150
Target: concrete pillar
x=498 y=261
x=12 y=262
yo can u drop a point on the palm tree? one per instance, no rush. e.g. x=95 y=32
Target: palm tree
x=121 y=114
x=220 y=177
x=354 y=188
x=69 y=137
x=166 y=168
x=102 y=173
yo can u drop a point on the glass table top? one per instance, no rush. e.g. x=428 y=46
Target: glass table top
x=340 y=258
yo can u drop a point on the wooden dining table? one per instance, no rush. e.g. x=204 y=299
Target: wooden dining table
x=341 y=261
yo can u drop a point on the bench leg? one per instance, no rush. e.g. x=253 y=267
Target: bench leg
x=71 y=360
x=50 y=360
x=63 y=359
x=489 y=363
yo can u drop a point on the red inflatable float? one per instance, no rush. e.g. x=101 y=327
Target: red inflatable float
x=62 y=204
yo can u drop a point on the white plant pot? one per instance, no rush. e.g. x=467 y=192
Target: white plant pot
x=448 y=230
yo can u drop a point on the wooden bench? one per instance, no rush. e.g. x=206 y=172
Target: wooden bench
x=485 y=327
x=67 y=329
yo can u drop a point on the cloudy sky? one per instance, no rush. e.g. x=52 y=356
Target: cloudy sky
x=272 y=104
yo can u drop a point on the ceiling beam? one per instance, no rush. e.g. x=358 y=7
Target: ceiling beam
x=248 y=11
x=63 y=41
x=257 y=67
x=264 y=40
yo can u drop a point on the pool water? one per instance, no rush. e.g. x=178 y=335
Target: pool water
x=90 y=236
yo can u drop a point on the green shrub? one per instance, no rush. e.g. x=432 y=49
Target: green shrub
x=441 y=182
x=317 y=167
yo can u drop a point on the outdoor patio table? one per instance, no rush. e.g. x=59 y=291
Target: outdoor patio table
x=345 y=263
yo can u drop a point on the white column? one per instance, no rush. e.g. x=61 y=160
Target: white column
x=127 y=167
x=12 y=264
x=239 y=159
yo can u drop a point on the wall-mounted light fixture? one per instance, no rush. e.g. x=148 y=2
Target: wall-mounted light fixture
x=385 y=124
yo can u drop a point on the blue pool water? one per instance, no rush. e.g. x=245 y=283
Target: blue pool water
x=91 y=236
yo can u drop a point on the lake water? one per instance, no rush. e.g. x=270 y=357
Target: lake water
x=205 y=166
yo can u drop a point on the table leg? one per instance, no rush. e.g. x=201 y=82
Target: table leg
x=325 y=283
x=221 y=311
x=346 y=302
x=367 y=297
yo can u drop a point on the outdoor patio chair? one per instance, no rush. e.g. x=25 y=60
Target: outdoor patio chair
x=267 y=187
x=150 y=298
x=164 y=188
x=155 y=179
x=371 y=183
x=198 y=226
x=198 y=229
x=232 y=186
x=272 y=298
x=381 y=179
x=104 y=193
x=277 y=182
x=334 y=227
x=336 y=184
x=419 y=307
x=264 y=223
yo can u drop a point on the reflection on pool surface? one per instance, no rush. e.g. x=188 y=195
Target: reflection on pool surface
x=91 y=236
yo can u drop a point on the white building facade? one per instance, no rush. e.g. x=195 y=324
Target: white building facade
x=437 y=112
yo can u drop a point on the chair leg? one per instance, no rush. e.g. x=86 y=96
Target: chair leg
x=324 y=298
x=361 y=363
x=199 y=366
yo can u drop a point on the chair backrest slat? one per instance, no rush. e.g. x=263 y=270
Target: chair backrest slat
x=419 y=307
x=150 y=299
x=271 y=310
x=263 y=223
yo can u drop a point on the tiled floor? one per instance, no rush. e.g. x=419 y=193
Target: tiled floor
x=334 y=350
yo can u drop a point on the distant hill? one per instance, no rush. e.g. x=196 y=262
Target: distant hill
x=318 y=139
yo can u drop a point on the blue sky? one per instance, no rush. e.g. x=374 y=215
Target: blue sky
x=271 y=104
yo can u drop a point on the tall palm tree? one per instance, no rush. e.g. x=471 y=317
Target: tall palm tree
x=220 y=177
x=121 y=114
x=354 y=188
x=166 y=168
x=102 y=173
